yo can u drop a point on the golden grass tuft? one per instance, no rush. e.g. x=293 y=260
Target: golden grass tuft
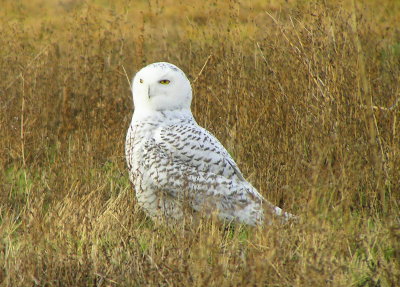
x=305 y=95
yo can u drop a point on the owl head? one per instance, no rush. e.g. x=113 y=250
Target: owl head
x=161 y=87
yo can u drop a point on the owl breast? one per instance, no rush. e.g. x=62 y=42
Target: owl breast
x=143 y=161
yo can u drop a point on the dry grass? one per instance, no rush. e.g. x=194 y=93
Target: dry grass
x=304 y=95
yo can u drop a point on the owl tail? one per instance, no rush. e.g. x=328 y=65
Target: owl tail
x=279 y=214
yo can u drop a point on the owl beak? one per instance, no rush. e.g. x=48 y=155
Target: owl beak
x=149 y=94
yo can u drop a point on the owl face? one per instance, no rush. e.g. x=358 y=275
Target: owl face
x=161 y=87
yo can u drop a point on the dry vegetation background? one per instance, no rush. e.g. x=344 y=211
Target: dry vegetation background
x=303 y=94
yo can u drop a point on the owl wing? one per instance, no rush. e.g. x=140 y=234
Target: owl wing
x=187 y=162
x=198 y=148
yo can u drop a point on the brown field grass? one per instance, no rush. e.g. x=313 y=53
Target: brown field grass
x=305 y=96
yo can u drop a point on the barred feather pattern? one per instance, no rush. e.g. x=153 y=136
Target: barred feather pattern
x=177 y=166
x=172 y=162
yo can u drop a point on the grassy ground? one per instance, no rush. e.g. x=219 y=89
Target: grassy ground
x=303 y=94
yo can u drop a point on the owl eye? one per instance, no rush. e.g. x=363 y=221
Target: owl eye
x=164 y=82
x=141 y=81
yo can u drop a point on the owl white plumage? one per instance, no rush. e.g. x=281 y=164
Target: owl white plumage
x=175 y=165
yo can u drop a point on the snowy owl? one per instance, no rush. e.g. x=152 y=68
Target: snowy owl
x=175 y=165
